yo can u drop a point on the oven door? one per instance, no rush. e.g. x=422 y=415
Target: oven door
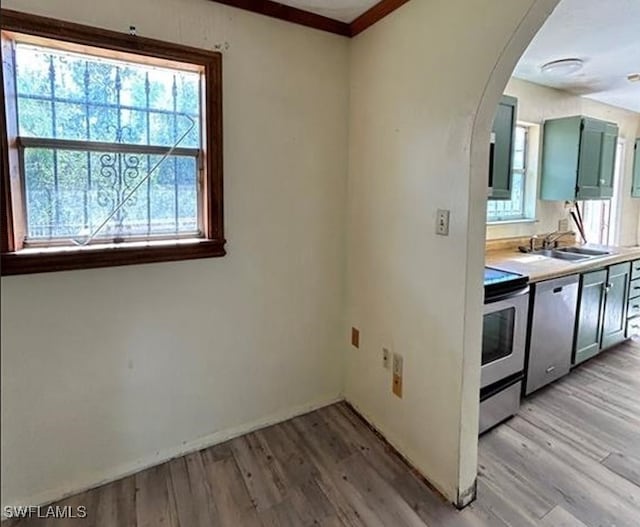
x=504 y=337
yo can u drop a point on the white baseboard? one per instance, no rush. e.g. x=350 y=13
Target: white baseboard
x=127 y=469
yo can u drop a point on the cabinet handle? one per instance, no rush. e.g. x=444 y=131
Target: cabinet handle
x=608 y=287
x=550 y=369
x=558 y=290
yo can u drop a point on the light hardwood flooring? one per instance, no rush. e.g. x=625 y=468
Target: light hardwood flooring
x=570 y=458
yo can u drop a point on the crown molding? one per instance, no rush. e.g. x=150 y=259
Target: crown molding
x=305 y=18
x=373 y=15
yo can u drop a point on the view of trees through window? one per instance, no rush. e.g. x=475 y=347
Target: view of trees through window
x=91 y=129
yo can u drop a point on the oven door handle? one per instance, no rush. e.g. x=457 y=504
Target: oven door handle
x=505 y=296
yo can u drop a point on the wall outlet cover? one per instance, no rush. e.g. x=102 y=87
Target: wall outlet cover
x=442 y=222
x=396 y=387
x=386 y=358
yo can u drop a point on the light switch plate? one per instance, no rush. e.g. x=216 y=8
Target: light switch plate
x=442 y=222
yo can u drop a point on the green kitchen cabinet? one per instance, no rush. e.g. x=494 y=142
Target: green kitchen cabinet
x=615 y=306
x=633 y=312
x=578 y=159
x=589 y=320
x=502 y=139
x=635 y=188
x=602 y=310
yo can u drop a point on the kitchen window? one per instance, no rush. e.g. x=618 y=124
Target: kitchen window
x=113 y=148
x=600 y=217
x=514 y=209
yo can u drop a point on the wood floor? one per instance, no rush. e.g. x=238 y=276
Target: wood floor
x=570 y=458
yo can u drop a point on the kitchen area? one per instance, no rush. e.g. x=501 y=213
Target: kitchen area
x=547 y=312
x=562 y=275
x=560 y=377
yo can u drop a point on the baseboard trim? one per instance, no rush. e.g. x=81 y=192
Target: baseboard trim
x=462 y=500
x=468 y=496
x=160 y=457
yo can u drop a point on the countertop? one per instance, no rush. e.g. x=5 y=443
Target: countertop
x=539 y=268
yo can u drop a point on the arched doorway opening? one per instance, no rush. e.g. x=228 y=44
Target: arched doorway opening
x=505 y=63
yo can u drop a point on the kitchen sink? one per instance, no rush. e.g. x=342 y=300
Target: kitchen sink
x=562 y=255
x=583 y=251
x=572 y=254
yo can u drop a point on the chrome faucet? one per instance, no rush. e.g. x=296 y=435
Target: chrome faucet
x=550 y=241
x=532 y=243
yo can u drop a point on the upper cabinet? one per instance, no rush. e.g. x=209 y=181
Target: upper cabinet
x=578 y=159
x=635 y=188
x=502 y=138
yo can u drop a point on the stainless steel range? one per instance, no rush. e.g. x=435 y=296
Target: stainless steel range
x=506 y=299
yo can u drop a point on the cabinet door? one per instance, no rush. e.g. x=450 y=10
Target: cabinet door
x=615 y=307
x=590 y=159
x=503 y=130
x=560 y=158
x=590 y=308
x=608 y=160
x=635 y=189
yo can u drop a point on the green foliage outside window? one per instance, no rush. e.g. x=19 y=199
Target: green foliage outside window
x=73 y=97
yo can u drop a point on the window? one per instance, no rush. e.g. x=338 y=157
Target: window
x=111 y=157
x=600 y=217
x=515 y=208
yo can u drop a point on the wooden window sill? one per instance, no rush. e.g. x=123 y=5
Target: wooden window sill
x=36 y=260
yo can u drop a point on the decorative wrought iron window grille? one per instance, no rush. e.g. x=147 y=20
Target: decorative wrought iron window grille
x=79 y=190
x=111 y=148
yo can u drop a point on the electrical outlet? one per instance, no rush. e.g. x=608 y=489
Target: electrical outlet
x=397 y=375
x=563 y=225
x=442 y=222
x=355 y=337
x=386 y=362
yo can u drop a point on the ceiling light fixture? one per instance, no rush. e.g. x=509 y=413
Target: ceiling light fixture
x=633 y=77
x=562 y=66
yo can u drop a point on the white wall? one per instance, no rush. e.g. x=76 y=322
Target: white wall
x=425 y=83
x=536 y=104
x=107 y=370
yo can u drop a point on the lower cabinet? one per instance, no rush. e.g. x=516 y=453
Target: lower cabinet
x=590 y=308
x=615 y=306
x=633 y=311
x=552 y=327
x=602 y=310
x=633 y=327
x=574 y=317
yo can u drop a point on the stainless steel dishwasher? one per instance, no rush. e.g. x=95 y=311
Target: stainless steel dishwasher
x=552 y=328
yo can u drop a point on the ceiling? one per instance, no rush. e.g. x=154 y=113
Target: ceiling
x=605 y=35
x=343 y=10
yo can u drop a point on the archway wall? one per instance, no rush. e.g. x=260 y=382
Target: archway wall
x=424 y=85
